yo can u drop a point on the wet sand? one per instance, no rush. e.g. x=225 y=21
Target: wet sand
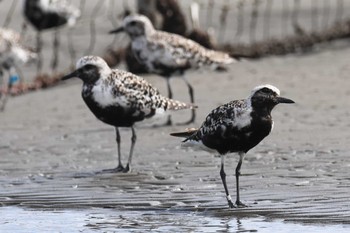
x=52 y=148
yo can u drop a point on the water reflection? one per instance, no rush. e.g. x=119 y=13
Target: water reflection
x=15 y=219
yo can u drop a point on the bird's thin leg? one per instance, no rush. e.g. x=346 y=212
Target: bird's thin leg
x=39 y=45
x=133 y=141
x=7 y=91
x=223 y=178
x=120 y=167
x=71 y=49
x=3 y=96
x=170 y=92
x=238 y=173
x=170 y=96
x=191 y=92
x=55 y=55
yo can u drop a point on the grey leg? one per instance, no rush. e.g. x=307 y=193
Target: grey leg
x=39 y=45
x=55 y=54
x=191 y=92
x=3 y=96
x=120 y=167
x=223 y=178
x=133 y=141
x=170 y=96
x=238 y=173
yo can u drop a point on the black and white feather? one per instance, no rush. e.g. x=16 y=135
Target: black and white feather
x=236 y=126
x=120 y=98
x=168 y=54
x=48 y=14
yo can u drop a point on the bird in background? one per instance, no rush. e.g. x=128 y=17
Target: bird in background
x=119 y=98
x=12 y=54
x=169 y=54
x=237 y=126
x=49 y=14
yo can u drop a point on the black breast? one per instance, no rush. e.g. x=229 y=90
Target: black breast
x=116 y=115
x=227 y=139
x=42 y=20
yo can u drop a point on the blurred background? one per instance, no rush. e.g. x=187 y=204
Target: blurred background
x=244 y=28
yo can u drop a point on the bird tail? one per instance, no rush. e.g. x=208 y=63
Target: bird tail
x=185 y=134
x=178 y=105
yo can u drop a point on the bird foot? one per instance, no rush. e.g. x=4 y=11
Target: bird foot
x=239 y=204
x=126 y=169
x=118 y=169
x=230 y=204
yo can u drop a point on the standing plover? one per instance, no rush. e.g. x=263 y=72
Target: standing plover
x=120 y=98
x=237 y=126
x=168 y=54
x=49 y=14
x=12 y=53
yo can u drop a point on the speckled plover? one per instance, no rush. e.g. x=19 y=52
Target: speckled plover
x=12 y=53
x=49 y=14
x=168 y=54
x=237 y=126
x=120 y=98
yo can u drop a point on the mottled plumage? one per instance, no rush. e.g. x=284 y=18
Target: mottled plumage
x=12 y=49
x=12 y=53
x=236 y=126
x=168 y=54
x=120 y=98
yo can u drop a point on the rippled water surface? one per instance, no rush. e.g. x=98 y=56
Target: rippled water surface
x=15 y=219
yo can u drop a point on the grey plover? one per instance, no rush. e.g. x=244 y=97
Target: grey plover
x=168 y=54
x=120 y=98
x=12 y=53
x=237 y=126
x=49 y=14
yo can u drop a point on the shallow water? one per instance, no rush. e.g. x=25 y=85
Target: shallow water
x=16 y=219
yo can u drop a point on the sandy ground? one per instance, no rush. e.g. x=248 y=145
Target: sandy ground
x=51 y=147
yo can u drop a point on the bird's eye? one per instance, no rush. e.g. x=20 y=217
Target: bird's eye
x=132 y=23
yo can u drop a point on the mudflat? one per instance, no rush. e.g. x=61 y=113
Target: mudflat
x=52 y=150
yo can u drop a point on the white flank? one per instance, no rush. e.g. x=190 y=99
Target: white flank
x=22 y=55
x=159 y=112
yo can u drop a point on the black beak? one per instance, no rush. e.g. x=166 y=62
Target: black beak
x=284 y=100
x=120 y=29
x=69 y=76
